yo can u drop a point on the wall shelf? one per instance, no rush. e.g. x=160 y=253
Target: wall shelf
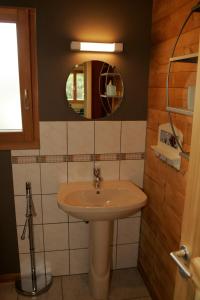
x=189 y=58
x=167 y=148
x=170 y=156
x=107 y=96
x=110 y=74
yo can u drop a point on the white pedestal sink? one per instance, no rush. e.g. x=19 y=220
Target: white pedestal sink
x=115 y=199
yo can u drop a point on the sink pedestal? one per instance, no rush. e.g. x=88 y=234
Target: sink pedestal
x=100 y=257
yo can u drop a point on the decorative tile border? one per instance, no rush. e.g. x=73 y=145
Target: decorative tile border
x=77 y=158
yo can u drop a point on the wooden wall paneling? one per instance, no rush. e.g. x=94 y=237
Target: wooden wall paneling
x=161 y=32
x=164 y=186
x=155 y=118
x=188 y=43
x=164 y=8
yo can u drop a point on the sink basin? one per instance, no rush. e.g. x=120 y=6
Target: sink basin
x=115 y=199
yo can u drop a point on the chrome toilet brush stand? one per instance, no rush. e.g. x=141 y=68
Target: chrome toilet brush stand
x=33 y=284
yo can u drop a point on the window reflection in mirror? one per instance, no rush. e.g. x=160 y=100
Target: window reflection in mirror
x=94 y=89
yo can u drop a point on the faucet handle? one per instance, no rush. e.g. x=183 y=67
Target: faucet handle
x=97 y=172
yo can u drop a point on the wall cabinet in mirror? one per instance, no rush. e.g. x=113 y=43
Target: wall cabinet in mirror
x=94 y=89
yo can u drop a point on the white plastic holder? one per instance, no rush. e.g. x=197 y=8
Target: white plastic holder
x=167 y=149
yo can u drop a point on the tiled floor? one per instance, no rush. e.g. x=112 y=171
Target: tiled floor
x=126 y=284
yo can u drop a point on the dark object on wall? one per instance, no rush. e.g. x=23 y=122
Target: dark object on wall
x=9 y=262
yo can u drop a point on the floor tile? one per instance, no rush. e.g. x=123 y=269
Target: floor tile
x=127 y=284
x=76 y=287
x=54 y=292
x=7 y=291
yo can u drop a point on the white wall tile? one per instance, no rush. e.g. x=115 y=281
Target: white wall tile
x=23 y=245
x=128 y=230
x=79 y=261
x=25 y=152
x=127 y=256
x=20 y=209
x=80 y=171
x=51 y=212
x=23 y=173
x=52 y=174
x=132 y=170
x=133 y=136
x=25 y=264
x=81 y=137
x=53 y=138
x=56 y=236
x=109 y=169
x=107 y=136
x=78 y=235
x=57 y=262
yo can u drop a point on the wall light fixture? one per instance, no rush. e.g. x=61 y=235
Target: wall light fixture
x=96 y=47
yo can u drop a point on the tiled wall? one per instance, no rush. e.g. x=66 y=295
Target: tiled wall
x=68 y=152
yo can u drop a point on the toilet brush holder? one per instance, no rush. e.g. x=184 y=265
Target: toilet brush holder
x=32 y=284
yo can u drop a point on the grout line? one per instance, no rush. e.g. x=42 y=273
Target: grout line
x=24 y=195
x=67 y=135
x=62 y=290
x=125 y=244
x=71 y=222
x=120 y=151
x=94 y=160
x=69 y=254
x=76 y=249
x=116 y=244
x=44 y=256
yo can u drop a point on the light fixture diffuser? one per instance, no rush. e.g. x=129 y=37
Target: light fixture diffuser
x=96 y=47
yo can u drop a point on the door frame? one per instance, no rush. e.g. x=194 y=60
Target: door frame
x=190 y=234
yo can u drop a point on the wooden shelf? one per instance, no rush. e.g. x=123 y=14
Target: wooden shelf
x=110 y=74
x=106 y=96
x=189 y=58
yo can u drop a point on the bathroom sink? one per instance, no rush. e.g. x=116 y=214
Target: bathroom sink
x=100 y=205
x=114 y=199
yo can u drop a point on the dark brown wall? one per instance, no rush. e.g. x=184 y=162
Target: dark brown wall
x=58 y=23
x=8 y=240
x=98 y=21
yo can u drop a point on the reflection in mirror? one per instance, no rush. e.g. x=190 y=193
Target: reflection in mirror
x=94 y=89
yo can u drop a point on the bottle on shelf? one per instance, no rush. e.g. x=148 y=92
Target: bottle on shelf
x=110 y=89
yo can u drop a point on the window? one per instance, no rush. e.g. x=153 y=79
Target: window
x=18 y=79
x=75 y=86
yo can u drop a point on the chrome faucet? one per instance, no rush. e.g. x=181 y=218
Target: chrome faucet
x=97 y=178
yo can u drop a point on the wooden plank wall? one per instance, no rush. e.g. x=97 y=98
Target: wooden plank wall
x=165 y=187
